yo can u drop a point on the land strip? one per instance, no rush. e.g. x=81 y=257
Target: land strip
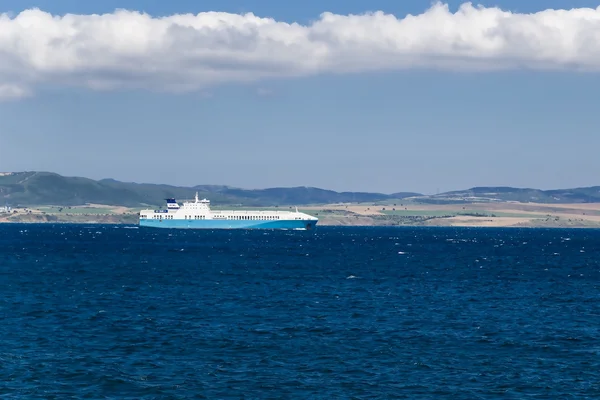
x=502 y=214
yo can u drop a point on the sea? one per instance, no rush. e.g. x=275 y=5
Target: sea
x=121 y=312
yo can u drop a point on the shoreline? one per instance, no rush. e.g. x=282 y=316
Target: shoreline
x=484 y=215
x=333 y=225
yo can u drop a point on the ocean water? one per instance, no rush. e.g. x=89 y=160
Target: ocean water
x=113 y=312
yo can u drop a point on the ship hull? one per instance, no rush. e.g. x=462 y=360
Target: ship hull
x=228 y=224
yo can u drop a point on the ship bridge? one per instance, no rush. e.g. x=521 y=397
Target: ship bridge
x=172 y=204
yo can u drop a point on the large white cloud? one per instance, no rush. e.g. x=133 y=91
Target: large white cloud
x=128 y=49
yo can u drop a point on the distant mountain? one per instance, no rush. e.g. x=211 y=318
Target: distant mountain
x=47 y=188
x=521 y=195
x=38 y=188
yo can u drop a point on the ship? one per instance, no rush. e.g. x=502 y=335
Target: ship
x=197 y=214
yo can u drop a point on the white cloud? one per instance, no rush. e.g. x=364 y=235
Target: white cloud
x=10 y=91
x=128 y=49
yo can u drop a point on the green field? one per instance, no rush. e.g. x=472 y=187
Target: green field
x=74 y=210
x=474 y=213
x=419 y=213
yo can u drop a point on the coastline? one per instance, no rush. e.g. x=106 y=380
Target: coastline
x=492 y=215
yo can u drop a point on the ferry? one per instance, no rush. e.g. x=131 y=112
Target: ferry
x=198 y=215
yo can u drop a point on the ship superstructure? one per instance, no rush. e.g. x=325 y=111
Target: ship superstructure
x=198 y=215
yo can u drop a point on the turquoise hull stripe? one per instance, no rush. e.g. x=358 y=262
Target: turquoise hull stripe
x=227 y=224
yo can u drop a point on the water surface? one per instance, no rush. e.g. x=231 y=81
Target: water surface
x=97 y=311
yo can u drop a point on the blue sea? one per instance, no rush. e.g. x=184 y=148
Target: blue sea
x=117 y=312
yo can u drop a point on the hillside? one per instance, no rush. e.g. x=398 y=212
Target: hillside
x=38 y=188
x=47 y=188
x=521 y=195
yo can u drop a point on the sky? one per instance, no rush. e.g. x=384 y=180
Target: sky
x=381 y=96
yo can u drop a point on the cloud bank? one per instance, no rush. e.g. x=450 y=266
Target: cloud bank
x=132 y=50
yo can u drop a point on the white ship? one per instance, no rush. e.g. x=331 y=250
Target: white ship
x=198 y=215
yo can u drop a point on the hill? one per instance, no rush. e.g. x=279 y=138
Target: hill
x=47 y=188
x=521 y=195
x=39 y=188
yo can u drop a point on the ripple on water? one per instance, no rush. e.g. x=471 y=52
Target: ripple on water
x=94 y=311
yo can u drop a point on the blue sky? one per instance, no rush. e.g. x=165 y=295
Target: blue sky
x=393 y=129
